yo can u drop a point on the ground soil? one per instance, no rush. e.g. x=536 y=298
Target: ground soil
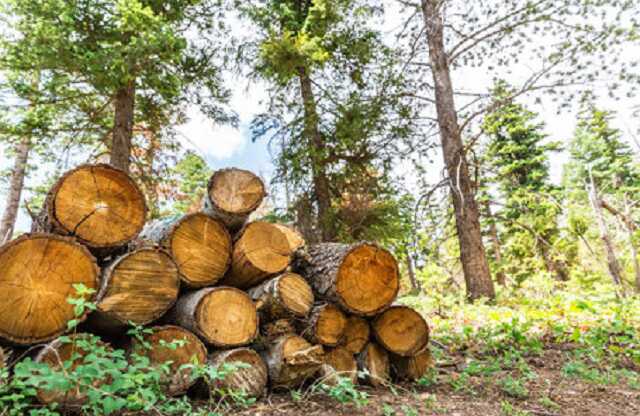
x=551 y=393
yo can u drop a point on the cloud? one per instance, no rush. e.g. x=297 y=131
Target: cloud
x=212 y=141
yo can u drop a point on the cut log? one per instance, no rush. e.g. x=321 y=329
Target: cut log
x=224 y=317
x=339 y=362
x=250 y=375
x=37 y=276
x=138 y=287
x=271 y=331
x=294 y=238
x=292 y=360
x=158 y=347
x=232 y=195
x=412 y=368
x=373 y=361
x=98 y=204
x=260 y=252
x=356 y=334
x=362 y=278
x=199 y=244
x=285 y=296
x=401 y=330
x=326 y=325
x=58 y=355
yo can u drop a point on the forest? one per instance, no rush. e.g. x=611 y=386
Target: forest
x=447 y=188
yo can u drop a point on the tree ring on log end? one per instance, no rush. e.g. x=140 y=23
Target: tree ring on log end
x=141 y=287
x=227 y=317
x=37 y=275
x=296 y=294
x=368 y=280
x=401 y=330
x=330 y=325
x=250 y=377
x=201 y=247
x=236 y=191
x=99 y=204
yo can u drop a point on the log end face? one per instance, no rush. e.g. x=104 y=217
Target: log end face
x=368 y=280
x=227 y=317
x=250 y=376
x=99 y=204
x=201 y=246
x=330 y=325
x=296 y=361
x=356 y=334
x=236 y=191
x=339 y=362
x=401 y=330
x=296 y=294
x=36 y=284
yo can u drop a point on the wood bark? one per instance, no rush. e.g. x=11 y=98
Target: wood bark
x=291 y=361
x=138 y=287
x=35 y=309
x=16 y=185
x=123 y=126
x=631 y=227
x=176 y=346
x=362 y=278
x=199 y=244
x=250 y=377
x=284 y=296
x=472 y=254
x=501 y=278
x=314 y=137
x=222 y=316
x=325 y=326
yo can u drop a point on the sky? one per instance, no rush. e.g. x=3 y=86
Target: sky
x=226 y=146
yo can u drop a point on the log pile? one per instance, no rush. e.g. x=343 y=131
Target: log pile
x=227 y=288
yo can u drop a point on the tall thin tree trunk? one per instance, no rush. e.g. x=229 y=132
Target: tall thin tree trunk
x=472 y=254
x=123 y=127
x=8 y=222
x=415 y=283
x=615 y=271
x=320 y=179
x=497 y=247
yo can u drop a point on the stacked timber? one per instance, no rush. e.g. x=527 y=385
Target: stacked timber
x=216 y=287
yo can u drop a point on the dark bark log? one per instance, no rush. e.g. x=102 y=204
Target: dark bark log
x=362 y=278
x=199 y=244
x=16 y=185
x=472 y=254
x=123 y=126
x=251 y=377
x=314 y=137
x=223 y=317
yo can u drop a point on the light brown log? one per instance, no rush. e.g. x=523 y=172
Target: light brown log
x=339 y=362
x=138 y=287
x=250 y=375
x=98 y=204
x=401 y=330
x=373 y=361
x=294 y=238
x=326 y=325
x=199 y=244
x=158 y=347
x=412 y=368
x=222 y=316
x=356 y=334
x=292 y=360
x=4 y=358
x=57 y=355
x=37 y=277
x=232 y=195
x=285 y=296
x=362 y=278
x=260 y=252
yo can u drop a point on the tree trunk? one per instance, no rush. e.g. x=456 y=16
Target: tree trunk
x=362 y=278
x=16 y=185
x=472 y=254
x=39 y=272
x=501 y=278
x=631 y=227
x=411 y=271
x=314 y=136
x=123 y=126
x=615 y=271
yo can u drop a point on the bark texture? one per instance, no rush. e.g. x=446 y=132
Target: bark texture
x=123 y=127
x=16 y=185
x=292 y=360
x=472 y=254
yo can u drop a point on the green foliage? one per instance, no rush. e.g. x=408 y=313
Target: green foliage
x=345 y=392
x=190 y=177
